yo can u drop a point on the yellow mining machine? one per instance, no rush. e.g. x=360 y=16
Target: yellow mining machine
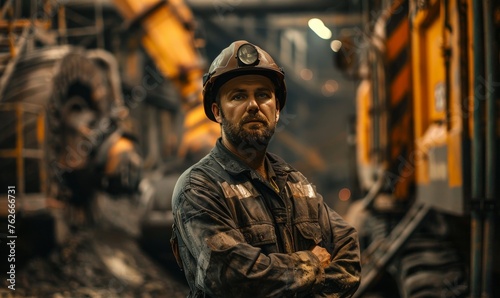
x=62 y=110
x=168 y=35
x=41 y=41
x=166 y=30
x=427 y=137
x=71 y=128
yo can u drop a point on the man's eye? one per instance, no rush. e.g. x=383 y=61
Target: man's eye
x=238 y=97
x=264 y=95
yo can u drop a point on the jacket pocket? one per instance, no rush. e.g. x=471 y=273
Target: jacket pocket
x=261 y=235
x=310 y=232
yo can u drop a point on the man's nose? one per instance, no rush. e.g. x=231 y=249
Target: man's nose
x=253 y=106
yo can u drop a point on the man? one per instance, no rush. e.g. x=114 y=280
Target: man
x=246 y=224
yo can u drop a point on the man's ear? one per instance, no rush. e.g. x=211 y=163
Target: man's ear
x=216 y=112
x=277 y=110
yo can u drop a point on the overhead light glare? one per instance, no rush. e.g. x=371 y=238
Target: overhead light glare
x=345 y=194
x=329 y=88
x=319 y=28
x=306 y=74
x=335 y=45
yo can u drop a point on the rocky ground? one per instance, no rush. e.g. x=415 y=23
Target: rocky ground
x=97 y=263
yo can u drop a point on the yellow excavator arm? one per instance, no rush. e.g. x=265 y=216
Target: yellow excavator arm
x=168 y=29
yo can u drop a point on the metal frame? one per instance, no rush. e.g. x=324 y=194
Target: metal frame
x=19 y=153
x=380 y=253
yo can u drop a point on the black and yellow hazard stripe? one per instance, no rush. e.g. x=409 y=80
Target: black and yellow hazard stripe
x=398 y=84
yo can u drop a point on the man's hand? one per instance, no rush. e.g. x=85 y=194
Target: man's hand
x=322 y=254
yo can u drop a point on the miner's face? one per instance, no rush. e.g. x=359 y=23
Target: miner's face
x=247 y=109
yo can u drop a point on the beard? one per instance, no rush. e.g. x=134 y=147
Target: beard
x=242 y=137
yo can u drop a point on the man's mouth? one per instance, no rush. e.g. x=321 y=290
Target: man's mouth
x=254 y=121
x=255 y=124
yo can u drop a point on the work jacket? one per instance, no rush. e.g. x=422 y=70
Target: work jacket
x=237 y=235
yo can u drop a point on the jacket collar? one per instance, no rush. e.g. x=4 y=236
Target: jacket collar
x=233 y=164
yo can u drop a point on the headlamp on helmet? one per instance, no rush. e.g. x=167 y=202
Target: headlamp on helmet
x=247 y=55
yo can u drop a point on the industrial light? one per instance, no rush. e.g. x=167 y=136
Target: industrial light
x=335 y=45
x=247 y=54
x=319 y=28
x=345 y=194
x=329 y=88
x=306 y=74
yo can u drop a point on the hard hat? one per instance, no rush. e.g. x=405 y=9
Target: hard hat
x=241 y=58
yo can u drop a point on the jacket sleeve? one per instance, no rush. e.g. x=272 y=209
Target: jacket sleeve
x=343 y=275
x=227 y=266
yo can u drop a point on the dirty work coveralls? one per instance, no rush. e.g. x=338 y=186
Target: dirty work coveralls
x=238 y=236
